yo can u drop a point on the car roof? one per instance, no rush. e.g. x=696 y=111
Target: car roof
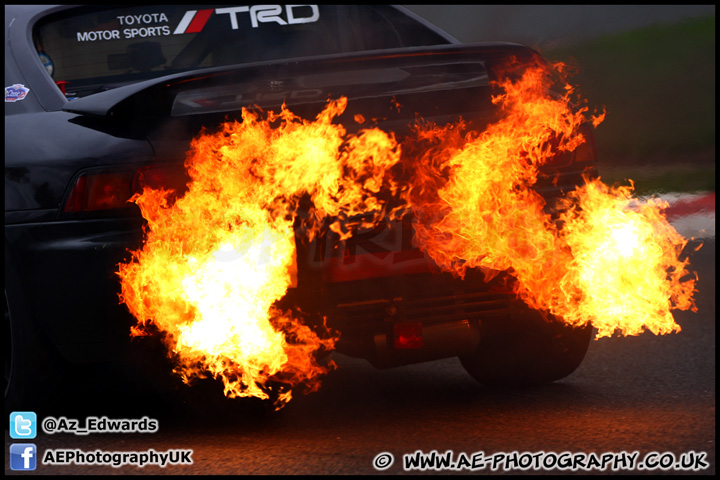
x=23 y=65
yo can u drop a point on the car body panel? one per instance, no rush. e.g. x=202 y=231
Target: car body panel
x=68 y=261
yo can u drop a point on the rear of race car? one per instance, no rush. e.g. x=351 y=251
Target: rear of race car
x=115 y=97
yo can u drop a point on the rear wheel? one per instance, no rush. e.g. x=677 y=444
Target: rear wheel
x=526 y=349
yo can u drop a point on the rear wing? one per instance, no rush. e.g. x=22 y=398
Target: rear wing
x=376 y=74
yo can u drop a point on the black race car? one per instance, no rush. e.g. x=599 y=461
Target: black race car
x=103 y=100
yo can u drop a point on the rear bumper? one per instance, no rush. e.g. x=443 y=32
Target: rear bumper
x=446 y=311
x=67 y=274
x=378 y=281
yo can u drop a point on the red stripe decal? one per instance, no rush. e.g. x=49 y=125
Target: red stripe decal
x=199 y=21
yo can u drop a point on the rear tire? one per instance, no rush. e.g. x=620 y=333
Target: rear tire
x=526 y=349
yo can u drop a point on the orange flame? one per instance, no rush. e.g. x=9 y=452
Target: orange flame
x=625 y=263
x=217 y=261
x=600 y=262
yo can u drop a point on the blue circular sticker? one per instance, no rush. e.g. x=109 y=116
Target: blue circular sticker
x=45 y=59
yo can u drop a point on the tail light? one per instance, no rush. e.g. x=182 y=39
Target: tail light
x=584 y=153
x=100 y=191
x=110 y=189
x=168 y=177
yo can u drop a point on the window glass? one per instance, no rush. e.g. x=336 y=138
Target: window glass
x=93 y=48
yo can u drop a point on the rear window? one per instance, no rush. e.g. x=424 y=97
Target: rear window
x=90 y=49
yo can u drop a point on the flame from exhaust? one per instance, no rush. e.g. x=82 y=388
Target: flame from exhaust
x=607 y=260
x=216 y=262
x=625 y=263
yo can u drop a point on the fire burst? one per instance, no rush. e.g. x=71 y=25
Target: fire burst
x=607 y=260
x=216 y=262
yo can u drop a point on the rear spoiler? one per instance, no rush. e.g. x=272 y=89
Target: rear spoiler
x=308 y=80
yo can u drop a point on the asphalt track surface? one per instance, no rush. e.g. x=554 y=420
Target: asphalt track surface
x=639 y=394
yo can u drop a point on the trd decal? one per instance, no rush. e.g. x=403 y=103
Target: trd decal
x=193 y=21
